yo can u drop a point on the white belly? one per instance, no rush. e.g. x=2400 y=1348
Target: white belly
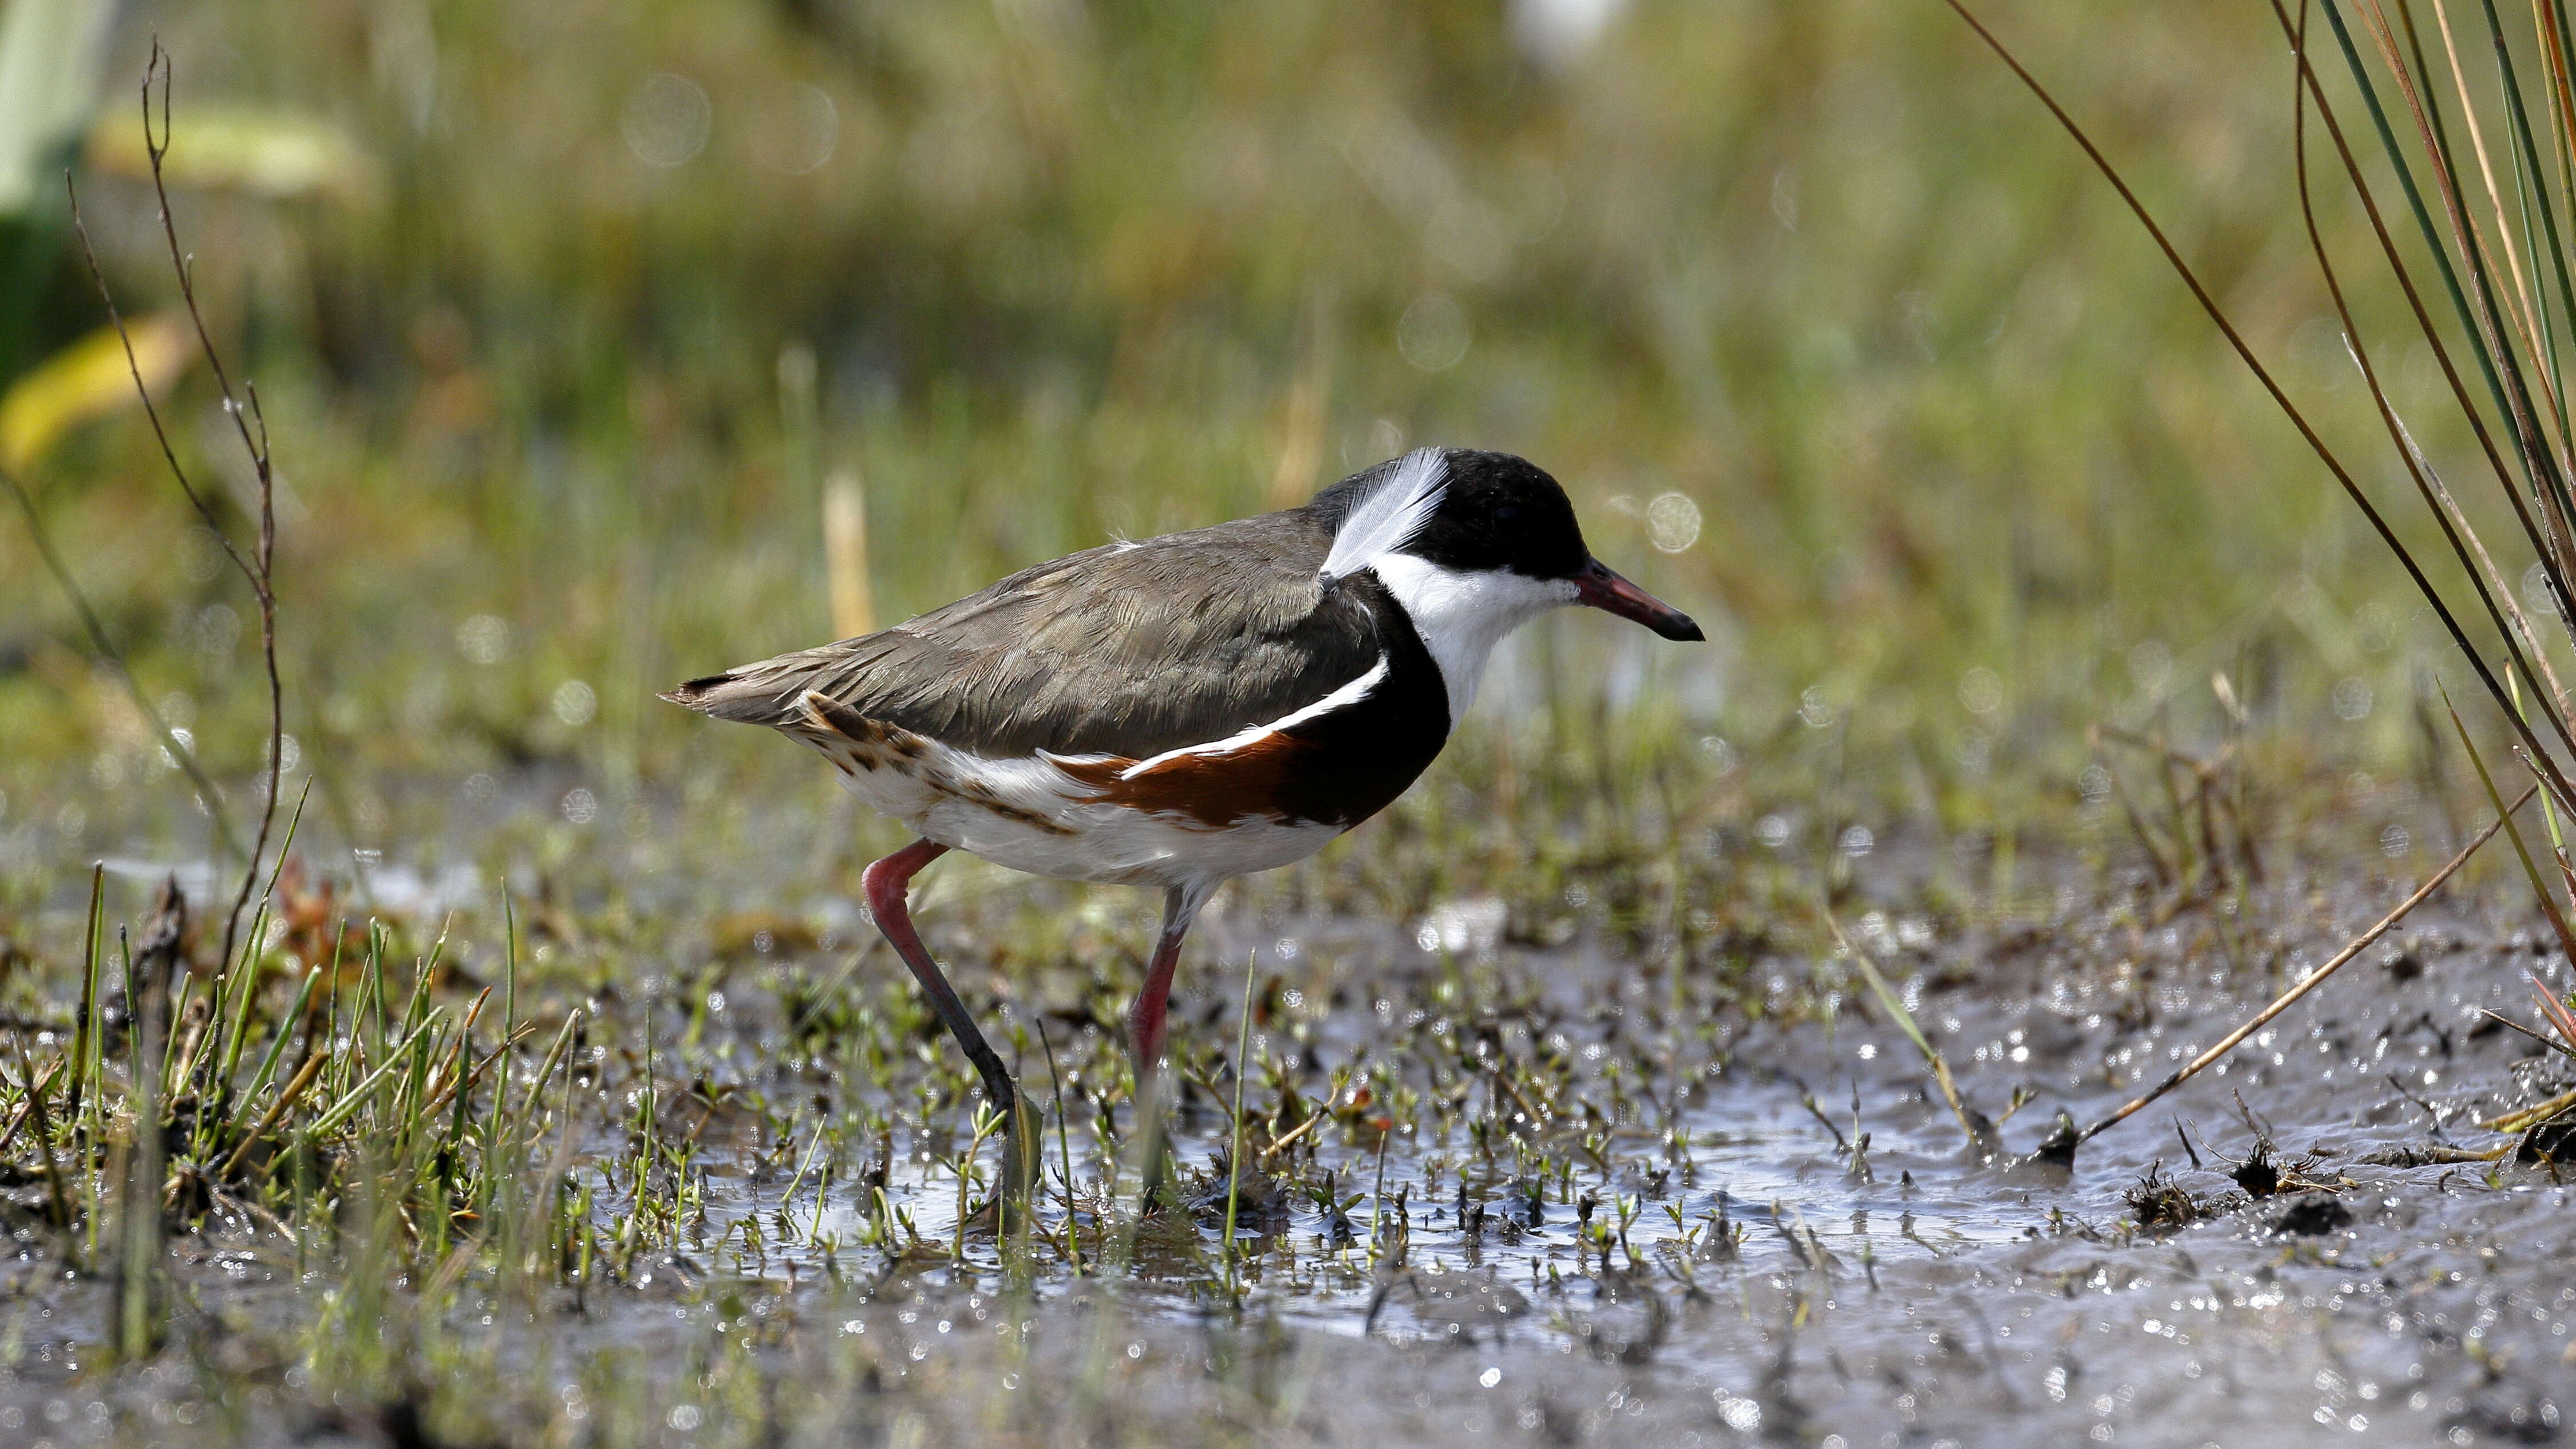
x=1119 y=846
x=1030 y=816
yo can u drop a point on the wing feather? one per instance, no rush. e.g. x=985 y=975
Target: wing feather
x=1129 y=650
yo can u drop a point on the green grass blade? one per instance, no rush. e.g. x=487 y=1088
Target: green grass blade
x=2535 y=197
x=2513 y=493
x=2513 y=832
x=237 y=1034
x=1979 y=1135
x=1234 y=1158
x=546 y=1069
x=2433 y=239
x=85 y=1032
x=356 y=1096
x=277 y=1043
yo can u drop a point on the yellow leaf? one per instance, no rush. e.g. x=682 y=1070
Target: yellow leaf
x=86 y=381
x=225 y=147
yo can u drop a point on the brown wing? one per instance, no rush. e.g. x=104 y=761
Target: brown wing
x=1128 y=650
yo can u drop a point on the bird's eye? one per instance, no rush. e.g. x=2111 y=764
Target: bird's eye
x=1507 y=513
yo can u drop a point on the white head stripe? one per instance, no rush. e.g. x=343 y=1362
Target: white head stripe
x=1391 y=514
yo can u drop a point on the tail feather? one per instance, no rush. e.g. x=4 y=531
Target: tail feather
x=736 y=695
x=694 y=693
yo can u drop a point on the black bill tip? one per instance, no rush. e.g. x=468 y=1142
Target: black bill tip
x=1598 y=586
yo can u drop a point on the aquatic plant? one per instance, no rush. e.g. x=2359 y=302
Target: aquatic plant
x=2504 y=267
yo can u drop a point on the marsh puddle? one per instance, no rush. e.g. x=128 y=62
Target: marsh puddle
x=1753 y=1222
x=1805 y=1249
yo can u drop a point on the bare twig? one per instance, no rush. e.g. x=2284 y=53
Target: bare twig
x=2309 y=982
x=36 y=1087
x=1290 y=1138
x=249 y=423
x=44 y=1134
x=114 y=659
x=2500 y=1019
x=2561 y=1019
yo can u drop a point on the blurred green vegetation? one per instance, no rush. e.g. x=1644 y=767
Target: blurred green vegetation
x=574 y=306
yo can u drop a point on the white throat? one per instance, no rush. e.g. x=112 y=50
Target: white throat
x=1462 y=615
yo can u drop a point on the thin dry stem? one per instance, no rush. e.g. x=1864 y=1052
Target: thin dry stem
x=2218 y=317
x=2494 y=591
x=2555 y=542
x=2524 y=317
x=114 y=658
x=260 y=568
x=2312 y=980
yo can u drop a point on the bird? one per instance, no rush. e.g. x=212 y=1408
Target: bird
x=1177 y=711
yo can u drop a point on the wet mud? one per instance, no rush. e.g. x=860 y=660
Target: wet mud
x=1703 y=1195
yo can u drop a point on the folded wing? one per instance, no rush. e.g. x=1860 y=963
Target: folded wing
x=1129 y=651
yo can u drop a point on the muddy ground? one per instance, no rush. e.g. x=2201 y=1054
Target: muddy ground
x=1754 y=1218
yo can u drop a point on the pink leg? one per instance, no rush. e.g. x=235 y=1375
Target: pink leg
x=887 y=882
x=1145 y=1018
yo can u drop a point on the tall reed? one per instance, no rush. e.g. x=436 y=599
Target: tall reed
x=2484 y=175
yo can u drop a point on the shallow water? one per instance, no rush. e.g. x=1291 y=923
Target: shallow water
x=1934 y=1297
x=1774 y=1284
x=1931 y=1294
